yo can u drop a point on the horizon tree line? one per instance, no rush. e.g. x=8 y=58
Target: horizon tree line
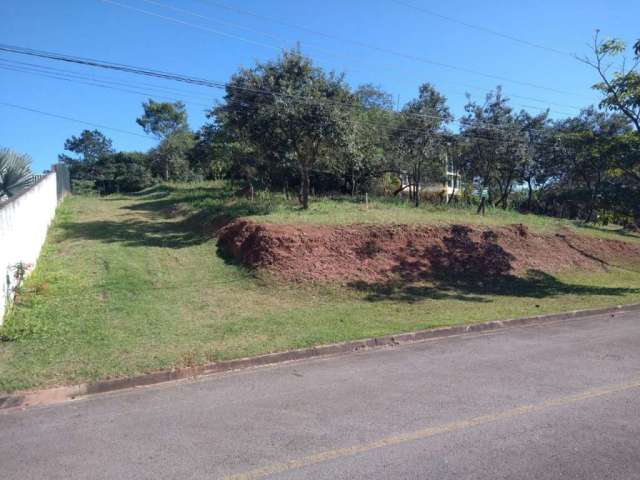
x=288 y=125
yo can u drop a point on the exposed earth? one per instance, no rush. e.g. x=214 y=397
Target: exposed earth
x=414 y=252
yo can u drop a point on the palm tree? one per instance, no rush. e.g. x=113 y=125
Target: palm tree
x=15 y=172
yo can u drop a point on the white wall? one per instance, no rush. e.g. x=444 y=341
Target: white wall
x=24 y=220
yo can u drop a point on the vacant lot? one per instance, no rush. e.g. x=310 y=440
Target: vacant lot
x=128 y=284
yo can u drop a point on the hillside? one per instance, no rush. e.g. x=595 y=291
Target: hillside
x=128 y=284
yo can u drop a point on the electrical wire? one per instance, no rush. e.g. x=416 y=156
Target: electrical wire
x=99 y=85
x=63 y=117
x=107 y=80
x=351 y=58
x=384 y=50
x=483 y=29
x=58 y=73
x=415 y=131
x=182 y=78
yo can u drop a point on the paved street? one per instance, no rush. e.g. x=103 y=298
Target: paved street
x=540 y=402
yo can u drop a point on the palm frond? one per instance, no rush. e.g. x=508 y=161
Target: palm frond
x=15 y=172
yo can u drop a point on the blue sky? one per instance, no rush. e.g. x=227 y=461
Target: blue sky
x=228 y=39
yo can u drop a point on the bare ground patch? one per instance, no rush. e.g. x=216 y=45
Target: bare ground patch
x=414 y=252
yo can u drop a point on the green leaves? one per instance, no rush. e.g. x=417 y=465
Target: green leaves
x=288 y=111
x=620 y=89
x=163 y=118
x=90 y=145
x=612 y=46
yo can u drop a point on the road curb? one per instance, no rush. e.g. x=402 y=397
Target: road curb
x=61 y=394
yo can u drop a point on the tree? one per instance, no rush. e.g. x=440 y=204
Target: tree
x=168 y=122
x=15 y=172
x=538 y=148
x=170 y=159
x=363 y=154
x=587 y=164
x=372 y=97
x=163 y=118
x=417 y=137
x=88 y=147
x=210 y=156
x=497 y=146
x=289 y=111
x=621 y=89
x=122 y=172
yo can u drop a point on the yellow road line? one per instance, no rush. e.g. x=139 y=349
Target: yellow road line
x=429 y=432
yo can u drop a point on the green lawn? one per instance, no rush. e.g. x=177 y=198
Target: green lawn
x=129 y=284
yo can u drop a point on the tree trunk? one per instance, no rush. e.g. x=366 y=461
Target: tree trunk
x=453 y=189
x=305 y=186
x=504 y=198
x=417 y=182
x=530 y=194
x=481 y=207
x=166 y=170
x=353 y=183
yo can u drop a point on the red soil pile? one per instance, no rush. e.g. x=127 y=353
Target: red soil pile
x=413 y=252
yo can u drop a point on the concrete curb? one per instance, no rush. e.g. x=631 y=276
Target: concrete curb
x=61 y=394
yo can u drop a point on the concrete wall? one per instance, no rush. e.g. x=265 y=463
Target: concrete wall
x=24 y=220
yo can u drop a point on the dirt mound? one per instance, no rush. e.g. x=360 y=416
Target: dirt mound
x=411 y=252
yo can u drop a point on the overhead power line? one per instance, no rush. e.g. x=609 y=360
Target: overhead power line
x=385 y=50
x=184 y=78
x=356 y=42
x=484 y=29
x=107 y=80
x=147 y=94
x=96 y=84
x=415 y=130
x=59 y=74
x=357 y=59
x=70 y=119
x=111 y=66
x=193 y=25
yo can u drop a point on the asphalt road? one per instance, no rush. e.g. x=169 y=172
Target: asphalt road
x=555 y=401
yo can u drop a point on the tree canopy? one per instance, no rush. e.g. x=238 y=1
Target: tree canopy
x=289 y=111
x=287 y=123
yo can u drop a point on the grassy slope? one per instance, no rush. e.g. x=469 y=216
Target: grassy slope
x=130 y=284
x=216 y=198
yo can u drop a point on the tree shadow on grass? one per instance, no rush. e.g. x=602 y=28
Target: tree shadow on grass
x=163 y=205
x=137 y=233
x=166 y=222
x=534 y=284
x=622 y=232
x=468 y=269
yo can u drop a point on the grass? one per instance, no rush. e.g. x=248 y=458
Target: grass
x=129 y=284
x=217 y=198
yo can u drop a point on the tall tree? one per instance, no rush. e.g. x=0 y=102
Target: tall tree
x=363 y=155
x=417 y=138
x=539 y=143
x=497 y=143
x=89 y=146
x=163 y=118
x=168 y=122
x=588 y=161
x=289 y=110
